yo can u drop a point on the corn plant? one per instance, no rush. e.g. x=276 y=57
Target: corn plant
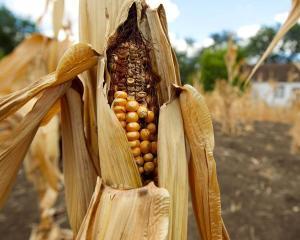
x=134 y=139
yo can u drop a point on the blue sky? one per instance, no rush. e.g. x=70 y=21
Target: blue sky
x=200 y=18
x=196 y=19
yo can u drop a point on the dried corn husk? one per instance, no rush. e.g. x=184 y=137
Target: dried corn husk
x=20 y=139
x=202 y=167
x=126 y=214
x=292 y=19
x=172 y=167
x=79 y=172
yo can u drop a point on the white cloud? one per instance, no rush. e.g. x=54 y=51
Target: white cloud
x=281 y=17
x=34 y=8
x=171 y=8
x=247 y=31
x=181 y=45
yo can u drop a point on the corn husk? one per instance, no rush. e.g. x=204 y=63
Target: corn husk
x=173 y=167
x=117 y=162
x=126 y=214
x=20 y=139
x=202 y=167
x=79 y=172
x=292 y=19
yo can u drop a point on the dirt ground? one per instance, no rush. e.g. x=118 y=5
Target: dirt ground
x=259 y=181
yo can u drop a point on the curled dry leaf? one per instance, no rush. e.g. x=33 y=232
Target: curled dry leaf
x=77 y=59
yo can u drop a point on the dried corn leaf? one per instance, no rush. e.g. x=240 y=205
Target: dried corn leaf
x=57 y=16
x=44 y=150
x=52 y=113
x=79 y=172
x=288 y=24
x=88 y=221
x=117 y=162
x=202 y=167
x=127 y=214
x=77 y=59
x=173 y=167
x=13 y=150
x=163 y=53
x=13 y=66
x=99 y=20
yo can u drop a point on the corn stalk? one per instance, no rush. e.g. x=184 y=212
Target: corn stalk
x=108 y=123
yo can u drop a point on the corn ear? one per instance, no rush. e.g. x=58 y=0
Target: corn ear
x=173 y=167
x=79 y=172
x=13 y=150
x=202 y=167
x=117 y=162
x=127 y=214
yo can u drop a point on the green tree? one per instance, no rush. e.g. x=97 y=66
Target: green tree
x=188 y=66
x=291 y=44
x=13 y=29
x=213 y=68
x=259 y=43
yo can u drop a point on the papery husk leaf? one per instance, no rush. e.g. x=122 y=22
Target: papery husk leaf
x=13 y=150
x=292 y=19
x=57 y=16
x=13 y=66
x=173 y=167
x=202 y=166
x=116 y=160
x=79 y=172
x=127 y=214
x=77 y=59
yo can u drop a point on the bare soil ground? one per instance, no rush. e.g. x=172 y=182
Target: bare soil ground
x=259 y=181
